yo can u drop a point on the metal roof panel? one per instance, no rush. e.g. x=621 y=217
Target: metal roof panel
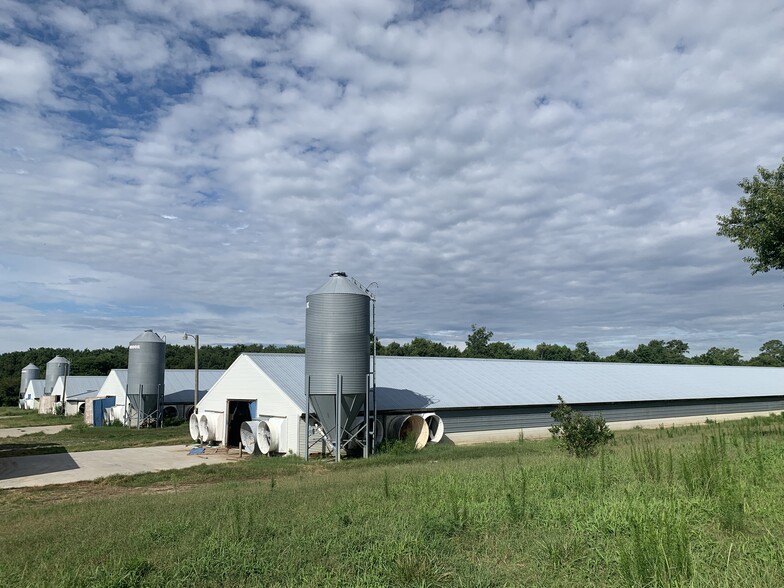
x=413 y=383
x=81 y=387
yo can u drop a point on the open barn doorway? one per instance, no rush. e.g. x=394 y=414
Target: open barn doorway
x=238 y=412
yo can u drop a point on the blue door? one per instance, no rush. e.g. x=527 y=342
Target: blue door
x=99 y=404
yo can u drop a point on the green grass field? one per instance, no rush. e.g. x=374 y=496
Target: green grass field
x=696 y=506
x=79 y=437
x=11 y=417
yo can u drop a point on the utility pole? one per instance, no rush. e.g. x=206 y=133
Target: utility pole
x=195 y=369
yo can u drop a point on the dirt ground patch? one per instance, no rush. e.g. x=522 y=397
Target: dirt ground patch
x=77 y=491
x=64 y=468
x=19 y=431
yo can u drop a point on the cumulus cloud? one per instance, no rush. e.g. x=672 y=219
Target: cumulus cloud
x=25 y=73
x=552 y=172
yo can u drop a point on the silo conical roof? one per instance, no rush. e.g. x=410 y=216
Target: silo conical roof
x=30 y=366
x=339 y=283
x=55 y=367
x=149 y=336
x=58 y=359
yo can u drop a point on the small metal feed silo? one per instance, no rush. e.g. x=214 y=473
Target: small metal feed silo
x=29 y=372
x=146 y=367
x=337 y=343
x=55 y=367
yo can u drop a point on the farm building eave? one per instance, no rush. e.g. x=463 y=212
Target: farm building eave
x=178 y=383
x=79 y=387
x=586 y=406
x=36 y=388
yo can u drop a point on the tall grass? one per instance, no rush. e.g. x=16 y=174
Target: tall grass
x=658 y=550
x=685 y=509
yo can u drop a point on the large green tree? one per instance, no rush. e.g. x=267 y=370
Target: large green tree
x=719 y=356
x=478 y=342
x=655 y=351
x=771 y=354
x=757 y=222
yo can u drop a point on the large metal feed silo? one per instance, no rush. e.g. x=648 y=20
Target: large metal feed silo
x=337 y=342
x=146 y=367
x=29 y=372
x=55 y=367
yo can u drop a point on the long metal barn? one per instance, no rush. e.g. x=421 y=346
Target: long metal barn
x=495 y=400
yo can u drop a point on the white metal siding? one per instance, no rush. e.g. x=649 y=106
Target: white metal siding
x=245 y=381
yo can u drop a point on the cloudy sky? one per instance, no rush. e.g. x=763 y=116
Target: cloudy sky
x=551 y=170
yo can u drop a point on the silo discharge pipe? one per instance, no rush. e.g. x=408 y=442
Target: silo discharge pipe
x=407 y=426
x=357 y=432
x=378 y=431
x=435 y=426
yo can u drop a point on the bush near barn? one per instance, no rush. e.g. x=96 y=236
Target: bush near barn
x=579 y=433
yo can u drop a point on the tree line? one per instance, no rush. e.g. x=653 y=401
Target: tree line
x=479 y=344
x=99 y=362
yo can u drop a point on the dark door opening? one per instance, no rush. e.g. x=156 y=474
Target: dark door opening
x=239 y=412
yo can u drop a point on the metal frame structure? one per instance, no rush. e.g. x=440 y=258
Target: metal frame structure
x=143 y=418
x=373 y=369
x=195 y=368
x=339 y=443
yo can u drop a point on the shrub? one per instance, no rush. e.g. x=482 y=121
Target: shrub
x=577 y=432
x=398 y=446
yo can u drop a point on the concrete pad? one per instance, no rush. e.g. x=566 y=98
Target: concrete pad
x=64 y=468
x=19 y=431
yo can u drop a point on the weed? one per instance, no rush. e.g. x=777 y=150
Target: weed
x=701 y=471
x=419 y=568
x=516 y=492
x=658 y=551
x=759 y=463
x=646 y=462
x=731 y=507
x=459 y=514
x=561 y=551
x=405 y=446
